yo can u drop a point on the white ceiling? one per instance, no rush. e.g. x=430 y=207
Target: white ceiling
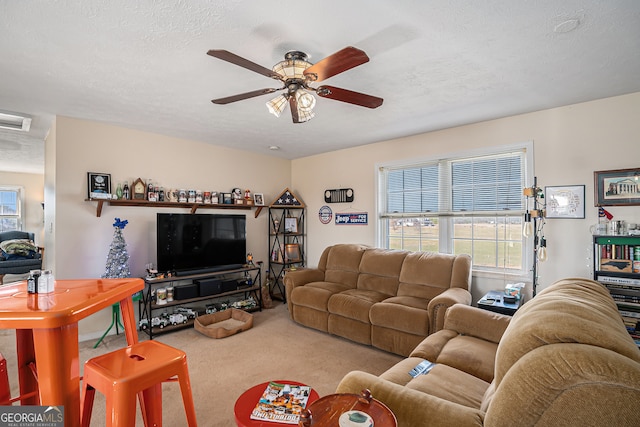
x=437 y=64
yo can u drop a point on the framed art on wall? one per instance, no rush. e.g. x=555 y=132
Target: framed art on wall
x=99 y=185
x=565 y=201
x=617 y=187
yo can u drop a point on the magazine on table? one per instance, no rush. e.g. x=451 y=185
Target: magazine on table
x=282 y=403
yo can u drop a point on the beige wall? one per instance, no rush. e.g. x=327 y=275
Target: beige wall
x=82 y=240
x=570 y=143
x=33 y=187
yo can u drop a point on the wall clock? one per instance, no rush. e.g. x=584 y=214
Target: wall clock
x=139 y=190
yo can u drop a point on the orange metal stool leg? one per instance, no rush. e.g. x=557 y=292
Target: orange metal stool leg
x=122 y=374
x=5 y=389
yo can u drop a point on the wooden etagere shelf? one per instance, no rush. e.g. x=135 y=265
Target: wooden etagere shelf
x=193 y=207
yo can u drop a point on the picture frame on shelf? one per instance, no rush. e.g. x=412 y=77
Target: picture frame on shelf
x=619 y=187
x=258 y=199
x=292 y=252
x=98 y=185
x=227 y=199
x=565 y=201
x=291 y=225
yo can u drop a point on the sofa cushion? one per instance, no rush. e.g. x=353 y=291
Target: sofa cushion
x=354 y=303
x=452 y=385
x=380 y=270
x=442 y=381
x=471 y=355
x=406 y=314
x=316 y=294
x=428 y=274
x=342 y=263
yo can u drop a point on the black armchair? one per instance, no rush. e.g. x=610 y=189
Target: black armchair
x=19 y=266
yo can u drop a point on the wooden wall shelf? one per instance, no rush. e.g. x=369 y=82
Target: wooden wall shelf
x=144 y=203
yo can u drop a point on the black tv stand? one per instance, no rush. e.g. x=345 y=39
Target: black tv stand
x=247 y=281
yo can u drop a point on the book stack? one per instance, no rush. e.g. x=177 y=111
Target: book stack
x=617 y=267
x=626 y=292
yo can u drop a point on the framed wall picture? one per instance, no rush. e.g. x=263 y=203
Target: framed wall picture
x=98 y=185
x=258 y=199
x=291 y=225
x=565 y=201
x=617 y=187
x=292 y=252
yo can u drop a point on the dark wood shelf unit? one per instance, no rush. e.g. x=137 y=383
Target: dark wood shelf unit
x=193 y=207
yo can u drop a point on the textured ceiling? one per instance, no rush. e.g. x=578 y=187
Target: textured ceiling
x=437 y=64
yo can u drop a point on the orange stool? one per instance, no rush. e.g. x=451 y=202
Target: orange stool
x=5 y=388
x=122 y=374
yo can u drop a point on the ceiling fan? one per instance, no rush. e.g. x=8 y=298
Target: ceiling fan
x=296 y=74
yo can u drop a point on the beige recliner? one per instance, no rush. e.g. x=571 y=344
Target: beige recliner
x=564 y=359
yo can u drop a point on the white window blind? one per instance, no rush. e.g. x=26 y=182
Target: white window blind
x=467 y=204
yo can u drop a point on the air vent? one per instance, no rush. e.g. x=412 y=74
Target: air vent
x=15 y=121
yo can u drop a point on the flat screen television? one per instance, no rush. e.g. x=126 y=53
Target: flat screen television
x=200 y=243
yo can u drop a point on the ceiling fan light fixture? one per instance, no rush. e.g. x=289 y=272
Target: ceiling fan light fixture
x=304 y=115
x=306 y=101
x=293 y=66
x=277 y=105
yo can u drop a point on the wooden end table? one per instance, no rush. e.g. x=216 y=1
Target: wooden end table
x=334 y=409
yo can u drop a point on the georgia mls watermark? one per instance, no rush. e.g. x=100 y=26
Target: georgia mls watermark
x=31 y=416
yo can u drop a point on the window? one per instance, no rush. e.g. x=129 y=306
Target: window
x=10 y=211
x=467 y=204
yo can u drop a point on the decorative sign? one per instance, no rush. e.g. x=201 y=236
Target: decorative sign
x=352 y=218
x=343 y=195
x=99 y=185
x=325 y=214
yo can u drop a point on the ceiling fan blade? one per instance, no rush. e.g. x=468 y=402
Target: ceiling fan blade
x=225 y=55
x=349 y=96
x=337 y=63
x=293 y=106
x=241 y=96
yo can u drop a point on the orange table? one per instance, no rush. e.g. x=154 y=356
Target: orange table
x=47 y=332
x=248 y=400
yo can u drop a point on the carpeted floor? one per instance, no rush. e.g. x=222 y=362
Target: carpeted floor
x=221 y=369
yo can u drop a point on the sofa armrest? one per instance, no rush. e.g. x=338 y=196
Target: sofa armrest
x=438 y=306
x=295 y=278
x=476 y=322
x=411 y=407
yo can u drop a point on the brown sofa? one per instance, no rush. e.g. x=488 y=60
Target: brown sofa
x=390 y=299
x=564 y=359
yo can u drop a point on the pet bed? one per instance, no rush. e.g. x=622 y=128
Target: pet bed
x=224 y=323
